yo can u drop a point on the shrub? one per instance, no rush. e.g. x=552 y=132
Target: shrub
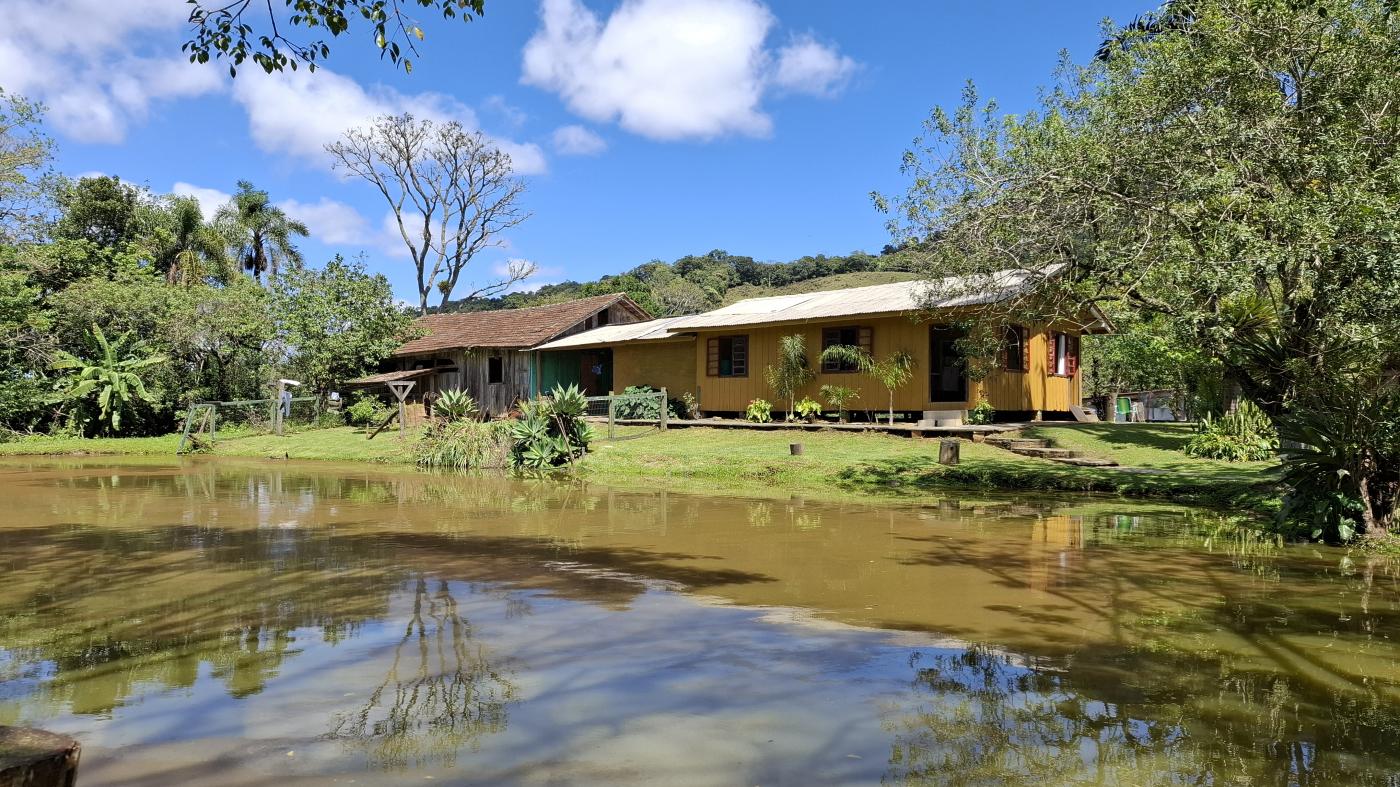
x=807 y=408
x=368 y=410
x=759 y=411
x=464 y=444
x=1245 y=435
x=983 y=413
x=636 y=403
x=551 y=431
x=690 y=406
x=455 y=405
x=839 y=396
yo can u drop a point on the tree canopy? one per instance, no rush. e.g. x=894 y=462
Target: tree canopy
x=266 y=33
x=1231 y=167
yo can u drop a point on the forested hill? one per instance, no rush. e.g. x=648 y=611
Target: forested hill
x=696 y=283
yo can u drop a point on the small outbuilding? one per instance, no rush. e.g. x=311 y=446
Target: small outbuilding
x=492 y=354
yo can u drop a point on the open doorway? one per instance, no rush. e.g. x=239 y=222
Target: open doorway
x=947 y=376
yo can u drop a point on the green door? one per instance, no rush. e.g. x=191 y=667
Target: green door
x=559 y=368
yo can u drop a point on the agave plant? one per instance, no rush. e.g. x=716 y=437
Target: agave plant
x=113 y=376
x=455 y=405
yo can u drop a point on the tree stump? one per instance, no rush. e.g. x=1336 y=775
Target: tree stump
x=795 y=448
x=949 y=452
x=34 y=758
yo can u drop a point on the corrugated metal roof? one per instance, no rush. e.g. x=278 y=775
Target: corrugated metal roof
x=609 y=334
x=899 y=297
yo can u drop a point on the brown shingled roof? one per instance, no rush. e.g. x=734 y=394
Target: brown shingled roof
x=509 y=328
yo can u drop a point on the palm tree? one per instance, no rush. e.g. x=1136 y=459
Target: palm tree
x=792 y=371
x=193 y=249
x=258 y=232
x=893 y=372
x=112 y=375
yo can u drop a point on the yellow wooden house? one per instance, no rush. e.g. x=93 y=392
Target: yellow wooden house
x=720 y=356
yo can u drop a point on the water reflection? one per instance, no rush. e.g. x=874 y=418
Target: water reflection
x=413 y=623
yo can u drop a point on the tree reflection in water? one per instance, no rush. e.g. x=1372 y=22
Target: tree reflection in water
x=987 y=717
x=441 y=694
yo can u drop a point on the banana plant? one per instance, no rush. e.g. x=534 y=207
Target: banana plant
x=112 y=376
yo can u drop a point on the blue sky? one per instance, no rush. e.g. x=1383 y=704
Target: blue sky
x=646 y=129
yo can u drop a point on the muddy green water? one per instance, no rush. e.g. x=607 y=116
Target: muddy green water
x=228 y=622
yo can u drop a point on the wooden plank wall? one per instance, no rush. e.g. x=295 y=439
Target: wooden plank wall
x=669 y=365
x=1011 y=391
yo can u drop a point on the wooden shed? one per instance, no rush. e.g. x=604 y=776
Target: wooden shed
x=491 y=354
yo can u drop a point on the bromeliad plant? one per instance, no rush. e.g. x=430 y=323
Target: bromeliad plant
x=109 y=385
x=551 y=430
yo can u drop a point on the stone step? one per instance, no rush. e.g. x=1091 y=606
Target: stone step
x=1012 y=443
x=1045 y=453
x=1086 y=461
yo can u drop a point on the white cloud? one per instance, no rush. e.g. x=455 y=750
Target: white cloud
x=330 y=221
x=210 y=200
x=674 y=69
x=577 y=141
x=298 y=113
x=78 y=57
x=808 y=66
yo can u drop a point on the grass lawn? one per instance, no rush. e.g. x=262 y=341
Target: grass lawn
x=833 y=465
x=344 y=443
x=872 y=465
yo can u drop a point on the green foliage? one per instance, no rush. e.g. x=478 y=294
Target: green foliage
x=839 y=396
x=551 y=430
x=893 y=373
x=690 y=406
x=465 y=445
x=792 y=371
x=259 y=234
x=221 y=30
x=640 y=402
x=1249 y=157
x=1342 y=463
x=109 y=385
x=25 y=153
x=695 y=283
x=808 y=409
x=455 y=404
x=1245 y=435
x=367 y=410
x=340 y=321
x=759 y=411
x=983 y=413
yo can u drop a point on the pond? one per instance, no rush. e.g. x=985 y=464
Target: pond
x=239 y=622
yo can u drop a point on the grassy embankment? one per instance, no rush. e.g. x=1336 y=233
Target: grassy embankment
x=833 y=465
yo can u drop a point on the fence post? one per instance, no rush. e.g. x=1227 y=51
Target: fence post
x=664 y=409
x=612 y=416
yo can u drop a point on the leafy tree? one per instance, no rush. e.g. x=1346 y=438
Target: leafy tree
x=259 y=233
x=23 y=323
x=336 y=323
x=102 y=210
x=792 y=371
x=452 y=191
x=241 y=30
x=1244 y=154
x=25 y=153
x=893 y=373
x=109 y=382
